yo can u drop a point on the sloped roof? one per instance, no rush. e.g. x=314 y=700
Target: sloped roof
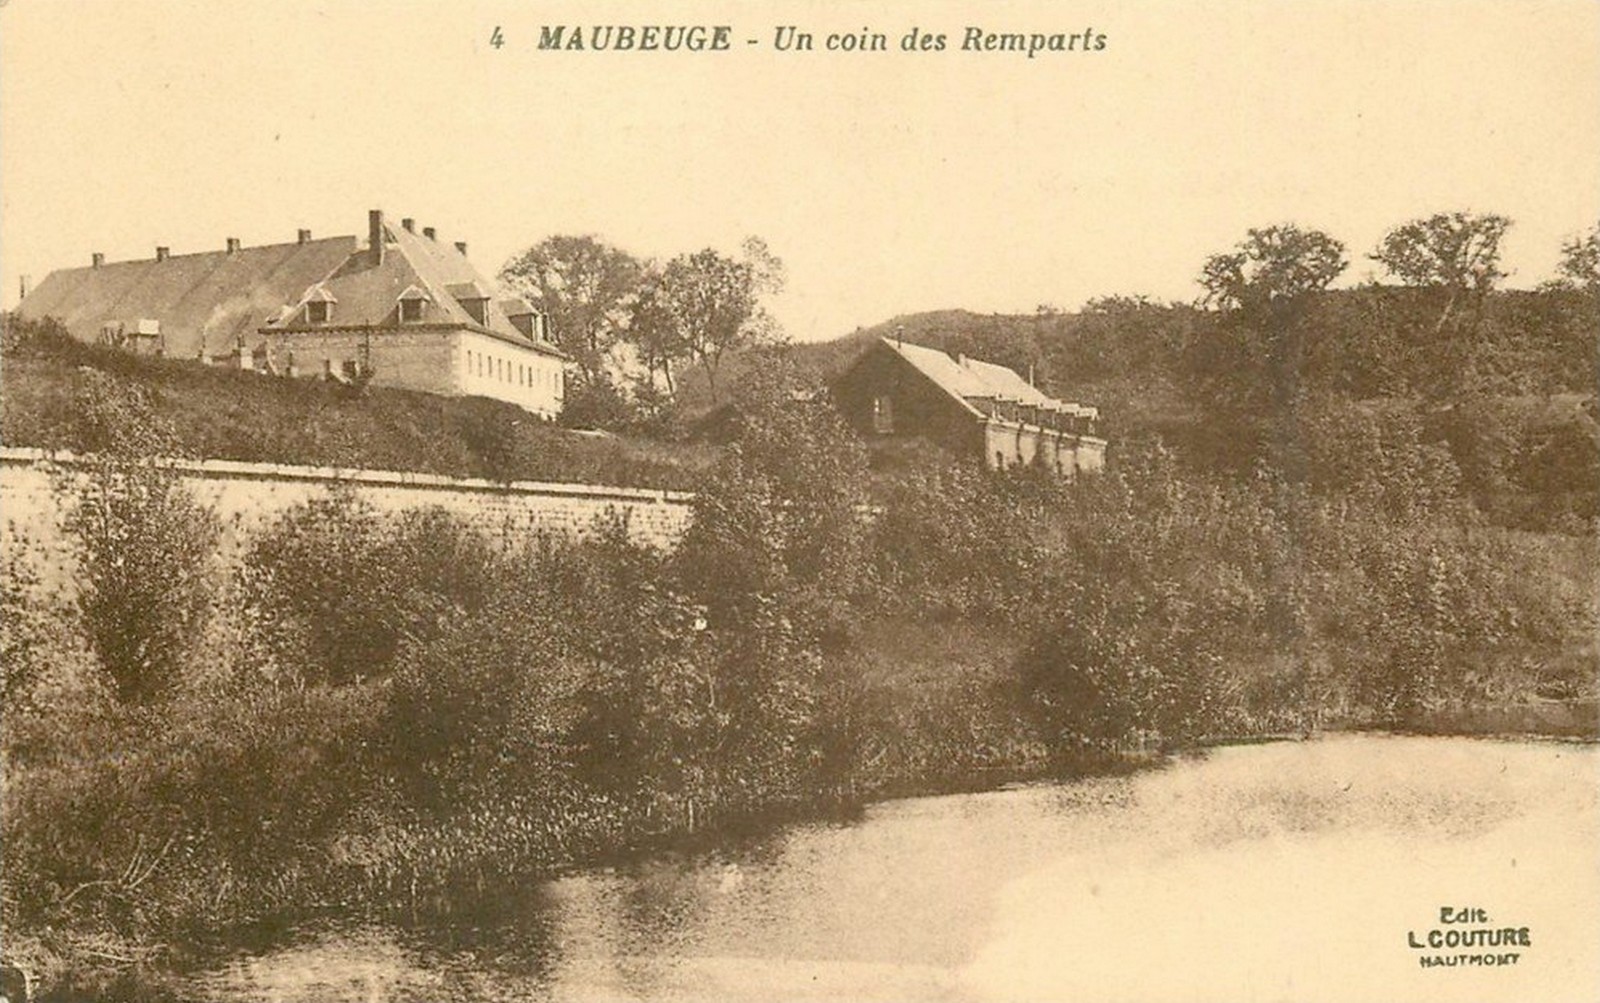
x=1004 y=381
x=210 y=302
x=204 y=301
x=969 y=378
x=369 y=294
x=942 y=370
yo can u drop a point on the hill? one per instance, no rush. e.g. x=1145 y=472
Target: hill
x=1504 y=394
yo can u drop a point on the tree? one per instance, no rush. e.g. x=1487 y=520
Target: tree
x=586 y=288
x=655 y=333
x=1251 y=362
x=1580 y=260
x=1456 y=253
x=1274 y=270
x=700 y=306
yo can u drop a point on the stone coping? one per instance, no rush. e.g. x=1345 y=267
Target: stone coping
x=242 y=470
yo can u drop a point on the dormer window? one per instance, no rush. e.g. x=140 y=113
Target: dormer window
x=524 y=318
x=411 y=304
x=474 y=299
x=319 y=305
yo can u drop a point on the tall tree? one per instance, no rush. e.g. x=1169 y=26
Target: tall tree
x=700 y=306
x=1251 y=364
x=586 y=289
x=1266 y=284
x=1455 y=253
x=1273 y=271
x=1580 y=260
x=655 y=334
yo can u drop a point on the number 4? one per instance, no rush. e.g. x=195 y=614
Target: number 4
x=496 y=39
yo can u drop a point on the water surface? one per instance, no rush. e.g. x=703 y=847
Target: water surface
x=1290 y=871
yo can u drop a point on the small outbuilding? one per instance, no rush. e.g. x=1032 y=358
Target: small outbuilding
x=972 y=407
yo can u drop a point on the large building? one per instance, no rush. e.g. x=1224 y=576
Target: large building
x=400 y=309
x=972 y=407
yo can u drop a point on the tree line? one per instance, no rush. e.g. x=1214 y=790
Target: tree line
x=629 y=325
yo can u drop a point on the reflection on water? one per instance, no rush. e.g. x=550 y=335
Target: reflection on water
x=1289 y=871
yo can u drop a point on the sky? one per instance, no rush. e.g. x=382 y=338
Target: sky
x=888 y=182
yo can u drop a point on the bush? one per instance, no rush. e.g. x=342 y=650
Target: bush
x=778 y=515
x=1120 y=666
x=334 y=587
x=24 y=630
x=216 y=806
x=144 y=546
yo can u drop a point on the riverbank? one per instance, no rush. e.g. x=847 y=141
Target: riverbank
x=76 y=967
x=665 y=916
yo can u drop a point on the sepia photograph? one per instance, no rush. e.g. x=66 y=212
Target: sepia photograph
x=798 y=500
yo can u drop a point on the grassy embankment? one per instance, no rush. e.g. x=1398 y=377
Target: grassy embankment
x=218 y=413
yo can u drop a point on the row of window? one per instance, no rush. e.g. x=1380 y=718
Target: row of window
x=495 y=368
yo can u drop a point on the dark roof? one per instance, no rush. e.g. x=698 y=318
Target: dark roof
x=207 y=300
x=967 y=379
x=369 y=295
x=212 y=301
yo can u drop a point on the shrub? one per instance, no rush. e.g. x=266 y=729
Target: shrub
x=1120 y=665
x=216 y=806
x=24 y=631
x=144 y=546
x=778 y=516
x=334 y=586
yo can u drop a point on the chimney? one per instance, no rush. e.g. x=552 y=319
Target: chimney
x=96 y=259
x=427 y=231
x=303 y=237
x=461 y=248
x=163 y=253
x=375 y=236
x=24 y=284
x=410 y=224
x=233 y=245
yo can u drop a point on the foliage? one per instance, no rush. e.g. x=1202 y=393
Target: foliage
x=1273 y=271
x=1580 y=260
x=777 y=515
x=25 y=629
x=1454 y=250
x=335 y=587
x=586 y=289
x=144 y=547
x=597 y=403
x=703 y=305
x=1119 y=665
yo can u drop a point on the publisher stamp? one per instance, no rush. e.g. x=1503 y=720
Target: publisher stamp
x=1469 y=937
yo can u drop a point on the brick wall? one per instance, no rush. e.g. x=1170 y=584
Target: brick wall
x=415 y=360
x=249 y=496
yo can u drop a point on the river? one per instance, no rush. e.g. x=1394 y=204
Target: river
x=1285 y=871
